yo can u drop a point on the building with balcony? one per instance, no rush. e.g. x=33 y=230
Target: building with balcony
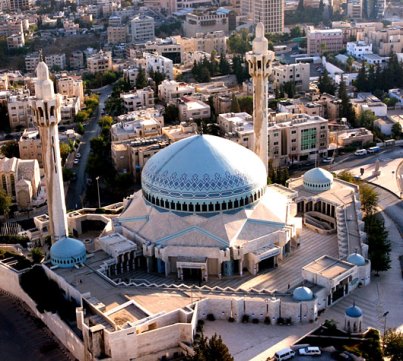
x=142 y=29
x=100 y=62
x=297 y=73
x=139 y=98
x=192 y=109
x=321 y=41
x=170 y=91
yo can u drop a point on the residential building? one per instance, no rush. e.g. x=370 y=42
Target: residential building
x=69 y=108
x=205 y=21
x=139 y=98
x=396 y=94
x=207 y=42
x=298 y=73
x=222 y=103
x=21 y=180
x=367 y=101
x=355 y=9
x=375 y=59
x=31 y=61
x=142 y=29
x=159 y=63
x=321 y=41
x=100 y=62
x=297 y=137
x=70 y=86
x=117 y=34
x=20 y=4
x=16 y=41
x=386 y=41
x=130 y=74
x=171 y=91
x=56 y=61
x=237 y=127
x=358 y=49
x=19 y=111
x=168 y=47
x=348 y=137
x=76 y=60
x=270 y=13
x=192 y=109
x=191 y=4
x=175 y=133
x=30 y=145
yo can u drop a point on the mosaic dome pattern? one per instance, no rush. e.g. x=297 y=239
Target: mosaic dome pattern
x=200 y=173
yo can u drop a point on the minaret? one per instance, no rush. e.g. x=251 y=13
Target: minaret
x=46 y=115
x=259 y=63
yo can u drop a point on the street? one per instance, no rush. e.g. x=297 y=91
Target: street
x=76 y=191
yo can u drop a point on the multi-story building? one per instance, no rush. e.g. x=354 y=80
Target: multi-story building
x=270 y=13
x=298 y=73
x=321 y=41
x=191 y=4
x=117 y=34
x=348 y=137
x=192 y=109
x=367 y=101
x=171 y=91
x=57 y=61
x=19 y=111
x=133 y=129
x=100 y=62
x=30 y=145
x=169 y=47
x=355 y=9
x=159 y=63
x=237 y=127
x=386 y=41
x=70 y=86
x=297 y=137
x=207 y=42
x=76 y=60
x=20 y=4
x=136 y=99
x=358 y=49
x=69 y=108
x=130 y=74
x=16 y=41
x=21 y=180
x=206 y=21
x=31 y=61
x=142 y=29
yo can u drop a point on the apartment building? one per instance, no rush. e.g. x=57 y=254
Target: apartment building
x=69 y=108
x=355 y=9
x=31 y=61
x=70 y=86
x=99 y=62
x=237 y=127
x=159 y=63
x=386 y=41
x=142 y=29
x=16 y=41
x=207 y=42
x=133 y=129
x=56 y=61
x=298 y=73
x=170 y=91
x=367 y=101
x=130 y=74
x=297 y=137
x=207 y=21
x=191 y=109
x=30 y=145
x=19 y=111
x=321 y=41
x=136 y=99
x=270 y=13
x=116 y=34
x=76 y=60
x=358 y=49
x=168 y=47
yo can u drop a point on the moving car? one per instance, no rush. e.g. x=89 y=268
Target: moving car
x=310 y=351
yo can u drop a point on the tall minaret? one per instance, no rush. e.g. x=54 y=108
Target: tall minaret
x=259 y=62
x=46 y=114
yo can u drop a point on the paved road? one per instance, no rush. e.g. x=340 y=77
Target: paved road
x=22 y=337
x=76 y=190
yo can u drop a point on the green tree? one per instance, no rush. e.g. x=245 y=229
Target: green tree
x=64 y=151
x=171 y=114
x=346 y=108
x=239 y=42
x=141 y=79
x=212 y=349
x=246 y=104
x=235 y=104
x=5 y=202
x=105 y=121
x=82 y=116
x=157 y=76
x=393 y=344
x=224 y=66
x=367 y=119
x=368 y=198
x=346 y=176
x=326 y=84
x=37 y=255
x=11 y=150
x=396 y=130
x=240 y=71
x=361 y=82
x=80 y=128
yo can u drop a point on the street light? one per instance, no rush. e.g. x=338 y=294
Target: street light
x=99 y=197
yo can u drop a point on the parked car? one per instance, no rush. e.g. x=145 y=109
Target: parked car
x=76 y=161
x=284 y=354
x=78 y=155
x=310 y=351
x=361 y=152
x=328 y=160
x=374 y=149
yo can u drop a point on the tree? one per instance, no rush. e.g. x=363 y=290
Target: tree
x=361 y=82
x=234 y=105
x=64 y=151
x=11 y=150
x=171 y=114
x=105 y=121
x=5 y=202
x=393 y=344
x=157 y=76
x=81 y=116
x=325 y=84
x=37 y=255
x=346 y=176
x=367 y=119
x=141 y=79
x=368 y=198
x=224 y=65
x=396 y=130
x=240 y=71
x=346 y=109
x=239 y=43
x=212 y=349
x=246 y=104
x=80 y=128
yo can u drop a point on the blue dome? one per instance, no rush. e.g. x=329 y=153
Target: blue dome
x=356 y=259
x=204 y=173
x=67 y=252
x=318 y=180
x=354 y=311
x=302 y=294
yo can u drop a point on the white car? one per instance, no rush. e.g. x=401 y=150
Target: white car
x=361 y=152
x=310 y=351
x=327 y=160
x=76 y=161
x=78 y=155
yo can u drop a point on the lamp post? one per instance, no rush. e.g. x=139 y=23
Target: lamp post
x=99 y=196
x=384 y=328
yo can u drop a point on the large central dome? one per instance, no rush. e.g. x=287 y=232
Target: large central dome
x=204 y=173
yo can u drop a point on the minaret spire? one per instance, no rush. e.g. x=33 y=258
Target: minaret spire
x=46 y=116
x=259 y=63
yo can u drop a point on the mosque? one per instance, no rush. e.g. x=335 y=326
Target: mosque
x=205 y=210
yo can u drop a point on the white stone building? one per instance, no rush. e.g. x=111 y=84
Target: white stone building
x=19 y=111
x=142 y=29
x=358 y=49
x=171 y=91
x=16 y=41
x=320 y=41
x=100 y=62
x=159 y=63
x=70 y=86
x=270 y=13
x=192 y=109
x=56 y=61
x=298 y=73
x=139 y=98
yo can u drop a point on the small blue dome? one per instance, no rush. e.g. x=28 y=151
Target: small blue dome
x=354 y=311
x=67 y=252
x=302 y=294
x=318 y=180
x=357 y=259
x=203 y=173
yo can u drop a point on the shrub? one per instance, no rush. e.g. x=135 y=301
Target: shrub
x=255 y=320
x=245 y=318
x=267 y=320
x=231 y=319
x=210 y=317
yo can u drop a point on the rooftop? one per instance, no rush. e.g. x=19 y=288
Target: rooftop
x=328 y=267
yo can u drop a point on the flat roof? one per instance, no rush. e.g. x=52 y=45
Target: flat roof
x=328 y=267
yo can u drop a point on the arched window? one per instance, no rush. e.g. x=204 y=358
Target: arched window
x=211 y=207
x=184 y=207
x=191 y=207
x=230 y=205
x=236 y=203
x=217 y=206
x=197 y=208
x=204 y=207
